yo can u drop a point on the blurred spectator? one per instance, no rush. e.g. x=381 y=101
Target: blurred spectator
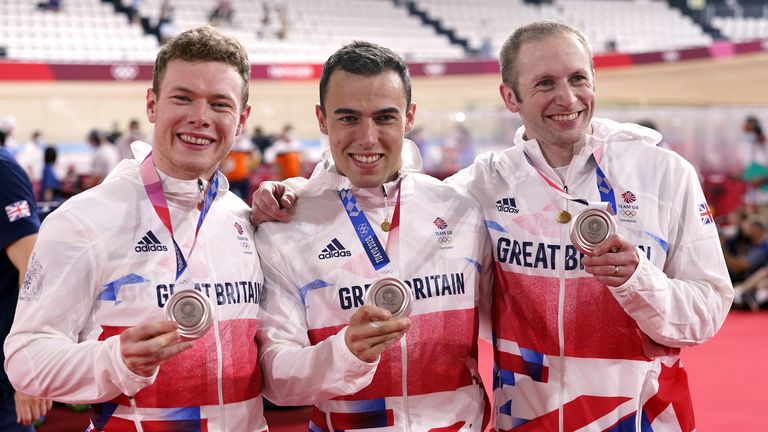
x=105 y=157
x=458 y=151
x=283 y=20
x=114 y=134
x=50 y=187
x=266 y=20
x=753 y=292
x=237 y=166
x=285 y=153
x=7 y=125
x=223 y=12
x=134 y=134
x=755 y=255
x=165 y=27
x=51 y=5
x=133 y=11
x=261 y=140
x=755 y=162
x=30 y=156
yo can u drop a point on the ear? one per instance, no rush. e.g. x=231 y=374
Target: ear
x=242 y=120
x=322 y=122
x=151 y=105
x=410 y=117
x=508 y=96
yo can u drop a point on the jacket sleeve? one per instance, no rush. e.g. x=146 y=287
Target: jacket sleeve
x=47 y=354
x=686 y=302
x=295 y=371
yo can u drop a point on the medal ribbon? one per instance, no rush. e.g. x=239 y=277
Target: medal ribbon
x=154 y=188
x=377 y=255
x=603 y=186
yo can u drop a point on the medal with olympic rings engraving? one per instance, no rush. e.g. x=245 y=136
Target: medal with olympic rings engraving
x=391 y=294
x=591 y=227
x=192 y=310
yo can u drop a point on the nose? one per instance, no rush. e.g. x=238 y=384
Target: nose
x=566 y=95
x=198 y=114
x=368 y=133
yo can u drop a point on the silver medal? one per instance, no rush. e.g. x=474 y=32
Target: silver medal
x=391 y=294
x=591 y=227
x=192 y=310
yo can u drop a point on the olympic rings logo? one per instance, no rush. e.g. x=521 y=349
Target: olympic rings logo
x=628 y=213
x=444 y=239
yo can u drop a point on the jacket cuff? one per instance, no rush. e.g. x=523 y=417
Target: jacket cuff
x=128 y=382
x=352 y=365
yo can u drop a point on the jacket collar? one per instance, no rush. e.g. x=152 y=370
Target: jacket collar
x=182 y=191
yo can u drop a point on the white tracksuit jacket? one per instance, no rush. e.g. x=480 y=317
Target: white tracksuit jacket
x=316 y=273
x=97 y=270
x=574 y=354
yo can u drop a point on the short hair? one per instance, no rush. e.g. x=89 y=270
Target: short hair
x=367 y=59
x=535 y=31
x=204 y=44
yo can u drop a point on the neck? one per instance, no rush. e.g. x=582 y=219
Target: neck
x=557 y=156
x=180 y=174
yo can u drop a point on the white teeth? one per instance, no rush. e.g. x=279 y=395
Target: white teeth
x=366 y=159
x=560 y=117
x=194 y=140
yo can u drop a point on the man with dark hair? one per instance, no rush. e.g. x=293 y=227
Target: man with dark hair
x=368 y=364
x=588 y=338
x=93 y=323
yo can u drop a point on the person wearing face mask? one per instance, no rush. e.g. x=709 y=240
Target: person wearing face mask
x=755 y=163
x=587 y=334
x=142 y=293
x=386 y=240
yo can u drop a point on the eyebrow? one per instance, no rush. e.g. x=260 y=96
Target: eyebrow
x=188 y=90
x=389 y=110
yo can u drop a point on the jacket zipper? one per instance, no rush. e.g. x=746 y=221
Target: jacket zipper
x=560 y=325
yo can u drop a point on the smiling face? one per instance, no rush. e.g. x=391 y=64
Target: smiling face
x=198 y=113
x=556 y=97
x=366 y=119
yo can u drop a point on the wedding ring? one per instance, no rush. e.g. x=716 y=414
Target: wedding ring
x=615 y=270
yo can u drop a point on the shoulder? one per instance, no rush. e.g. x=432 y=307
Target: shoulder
x=446 y=190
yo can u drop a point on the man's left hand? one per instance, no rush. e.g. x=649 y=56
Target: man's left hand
x=29 y=409
x=613 y=262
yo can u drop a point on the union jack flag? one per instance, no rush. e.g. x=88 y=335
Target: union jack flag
x=705 y=213
x=628 y=197
x=440 y=223
x=18 y=210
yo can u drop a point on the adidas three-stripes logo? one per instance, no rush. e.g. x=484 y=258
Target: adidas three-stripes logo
x=334 y=249
x=507 y=205
x=150 y=243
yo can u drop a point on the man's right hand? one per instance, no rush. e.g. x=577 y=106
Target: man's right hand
x=371 y=331
x=144 y=347
x=270 y=202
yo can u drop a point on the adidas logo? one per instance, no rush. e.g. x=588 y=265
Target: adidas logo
x=507 y=205
x=149 y=243
x=334 y=249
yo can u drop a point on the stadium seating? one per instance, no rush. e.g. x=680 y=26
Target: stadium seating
x=309 y=30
